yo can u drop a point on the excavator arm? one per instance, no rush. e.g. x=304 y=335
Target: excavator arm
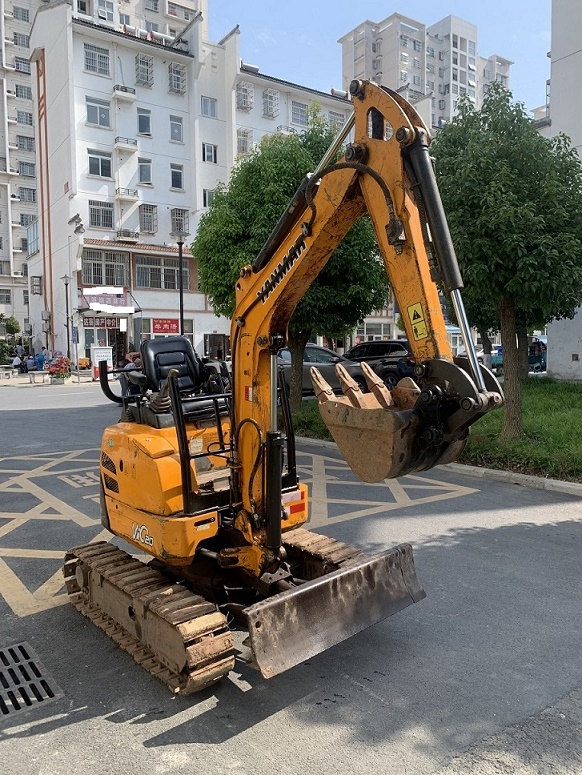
x=386 y=172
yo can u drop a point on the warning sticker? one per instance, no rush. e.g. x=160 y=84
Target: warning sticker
x=416 y=317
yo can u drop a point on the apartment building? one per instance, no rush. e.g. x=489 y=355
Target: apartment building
x=17 y=159
x=440 y=60
x=136 y=126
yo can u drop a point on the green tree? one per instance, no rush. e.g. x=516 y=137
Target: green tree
x=242 y=216
x=514 y=204
x=12 y=325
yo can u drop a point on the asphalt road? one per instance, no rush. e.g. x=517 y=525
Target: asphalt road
x=483 y=676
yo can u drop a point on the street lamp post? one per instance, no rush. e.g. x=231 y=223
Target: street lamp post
x=66 y=279
x=180 y=235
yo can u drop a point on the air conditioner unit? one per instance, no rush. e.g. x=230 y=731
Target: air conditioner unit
x=46 y=328
x=17 y=274
x=45 y=315
x=102 y=15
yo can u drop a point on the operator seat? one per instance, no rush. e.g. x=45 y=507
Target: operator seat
x=158 y=356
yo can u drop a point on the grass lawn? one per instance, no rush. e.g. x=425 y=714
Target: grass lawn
x=552 y=446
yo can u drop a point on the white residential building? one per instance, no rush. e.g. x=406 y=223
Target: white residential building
x=440 y=60
x=563 y=113
x=135 y=129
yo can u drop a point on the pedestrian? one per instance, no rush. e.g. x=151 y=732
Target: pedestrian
x=30 y=364
x=17 y=364
x=40 y=360
x=123 y=380
x=48 y=356
x=20 y=351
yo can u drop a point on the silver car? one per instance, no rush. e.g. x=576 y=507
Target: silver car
x=323 y=359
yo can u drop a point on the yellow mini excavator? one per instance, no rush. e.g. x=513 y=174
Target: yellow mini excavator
x=204 y=480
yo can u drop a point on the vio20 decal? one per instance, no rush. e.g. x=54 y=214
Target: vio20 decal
x=140 y=533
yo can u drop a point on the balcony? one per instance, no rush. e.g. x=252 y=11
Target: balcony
x=126 y=143
x=123 y=93
x=126 y=235
x=128 y=194
x=285 y=130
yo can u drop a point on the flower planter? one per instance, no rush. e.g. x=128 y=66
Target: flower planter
x=57 y=380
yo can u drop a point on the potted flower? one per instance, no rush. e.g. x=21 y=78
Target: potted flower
x=60 y=370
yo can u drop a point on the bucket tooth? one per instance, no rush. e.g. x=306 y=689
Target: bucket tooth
x=376 y=386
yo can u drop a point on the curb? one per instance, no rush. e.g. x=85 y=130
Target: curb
x=509 y=477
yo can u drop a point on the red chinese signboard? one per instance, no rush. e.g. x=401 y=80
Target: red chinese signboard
x=165 y=326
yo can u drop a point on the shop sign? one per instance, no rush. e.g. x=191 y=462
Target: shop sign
x=165 y=326
x=100 y=321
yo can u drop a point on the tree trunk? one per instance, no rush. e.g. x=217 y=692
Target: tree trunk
x=512 y=421
x=522 y=350
x=296 y=344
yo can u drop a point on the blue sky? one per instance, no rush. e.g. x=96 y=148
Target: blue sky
x=296 y=40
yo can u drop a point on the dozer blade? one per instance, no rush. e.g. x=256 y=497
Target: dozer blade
x=297 y=624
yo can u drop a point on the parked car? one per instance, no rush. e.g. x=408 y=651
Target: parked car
x=391 y=359
x=496 y=356
x=323 y=359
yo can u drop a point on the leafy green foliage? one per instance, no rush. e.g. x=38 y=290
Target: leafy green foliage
x=243 y=215
x=514 y=204
x=12 y=325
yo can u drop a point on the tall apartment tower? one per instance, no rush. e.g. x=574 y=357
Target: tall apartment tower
x=136 y=127
x=439 y=60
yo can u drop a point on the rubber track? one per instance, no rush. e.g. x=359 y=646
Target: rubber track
x=207 y=640
x=329 y=552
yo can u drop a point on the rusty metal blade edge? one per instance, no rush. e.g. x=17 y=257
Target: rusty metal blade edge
x=293 y=626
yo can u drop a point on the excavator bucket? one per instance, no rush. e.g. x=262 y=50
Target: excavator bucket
x=384 y=434
x=374 y=431
x=297 y=624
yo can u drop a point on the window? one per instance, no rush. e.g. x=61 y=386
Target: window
x=416 y=63
x=99 y=163
x=455 y=41
x=210 y=153
x=416 y=80
x=441 y=56
x=24 y=246
x=472 y=47
x=455 y=58
x=144 y=167
x=153 y=272
x=270 y=103
x=96 y=59
x=21 y=40
x=27 y=194
x=36 y=286
x=487 y=74
x=5 y=296
x=144 y=122
x=100 y=214
x=152 y=27
x=418 y=45
x=151 y=5
x=207 y=197
x=25 y=143
x=404 y=57
x=124 y=18
x=26 y=219
x=245 y=95
x=442 y=104
x=5 y=267
x=404 y=41
x=430 y=69
x=148 y=218
x=177 y=175
x=176 y=129
x=33 y=237
x=22 y=14
x=179 y=220
x=104 y=267
x=83 y=7
x=299 y=113
x=179 y=10
x=208 y=107
x=430 y=85
x=25 y=295
x=430 y=51
x=105 y=10
x=144 y=70
x=24 y=92
x=336 y=119
x=177 y=77
x=27 y=169
x=23 y=117
x=244 y=140
x=98 y=112
x=403 y=75
x=22 y=65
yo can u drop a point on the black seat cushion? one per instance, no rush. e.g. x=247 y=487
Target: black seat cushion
x=158 y=356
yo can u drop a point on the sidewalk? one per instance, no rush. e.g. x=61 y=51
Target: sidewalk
x=84 y=377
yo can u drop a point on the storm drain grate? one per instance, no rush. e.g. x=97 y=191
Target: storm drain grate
x=24 y=682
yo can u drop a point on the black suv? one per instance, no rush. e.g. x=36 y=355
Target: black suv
x=391 y=359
